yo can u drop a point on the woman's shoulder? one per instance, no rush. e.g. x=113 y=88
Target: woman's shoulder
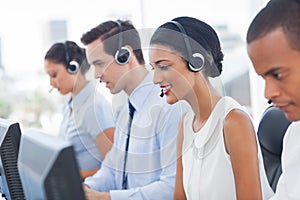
x=237 y=118
x=233 y=110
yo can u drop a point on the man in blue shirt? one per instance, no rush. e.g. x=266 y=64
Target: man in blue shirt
x=142 y=161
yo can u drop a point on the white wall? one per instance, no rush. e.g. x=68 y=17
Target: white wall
x=23 y=28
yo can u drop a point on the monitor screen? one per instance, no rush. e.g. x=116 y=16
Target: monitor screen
x=10 y=183
x=48 y=168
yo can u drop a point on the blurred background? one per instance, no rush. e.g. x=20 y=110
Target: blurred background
x=28 y=28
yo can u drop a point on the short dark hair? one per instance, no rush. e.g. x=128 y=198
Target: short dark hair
x=284 y=14
x=106 y=32
x=57 y=54
x=202 y=38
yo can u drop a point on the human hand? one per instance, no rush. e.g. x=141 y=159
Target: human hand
x=95 y=195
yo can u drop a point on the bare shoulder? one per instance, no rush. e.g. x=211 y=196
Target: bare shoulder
x=236 y=119
x=238 y=130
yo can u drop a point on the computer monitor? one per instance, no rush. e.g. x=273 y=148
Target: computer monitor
x=10 y=184
x=48 y=168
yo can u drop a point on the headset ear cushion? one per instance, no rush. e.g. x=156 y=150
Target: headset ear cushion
x=196 y=62
x=73 y=67
x=122 y=55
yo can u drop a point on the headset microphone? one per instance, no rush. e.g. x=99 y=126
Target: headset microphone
x=162 y=93
x=123 y=53
x=51 y=90
x=269 y=101
x=72 y=65
x=196 y=59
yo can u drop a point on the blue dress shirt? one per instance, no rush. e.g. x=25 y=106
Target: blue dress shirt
x=151 y=161
x=91 y=115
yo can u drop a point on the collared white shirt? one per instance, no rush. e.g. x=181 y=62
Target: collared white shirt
x=151 y=162
x=288 y=186
x=91 y=115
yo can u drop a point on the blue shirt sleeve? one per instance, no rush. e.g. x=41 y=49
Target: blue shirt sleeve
x=101 y=115
x=104 y=179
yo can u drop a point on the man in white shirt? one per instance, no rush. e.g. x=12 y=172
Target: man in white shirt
x=273 y=41
x=142 y=161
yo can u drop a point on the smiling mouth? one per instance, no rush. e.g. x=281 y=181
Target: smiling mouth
x=166 y=89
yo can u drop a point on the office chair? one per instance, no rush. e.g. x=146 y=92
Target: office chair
x=271 y=130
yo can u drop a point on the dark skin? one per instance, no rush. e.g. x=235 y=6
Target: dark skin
x=278 y=63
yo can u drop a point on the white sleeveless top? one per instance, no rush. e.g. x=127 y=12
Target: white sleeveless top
x=207 y=170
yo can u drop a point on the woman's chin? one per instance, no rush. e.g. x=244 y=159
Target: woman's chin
x=171 y=100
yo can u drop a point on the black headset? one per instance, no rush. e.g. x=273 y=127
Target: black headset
x=123 y=53
x=195 y=60
x=72 y=65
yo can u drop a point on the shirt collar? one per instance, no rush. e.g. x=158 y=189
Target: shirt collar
x=81 y=97
x=141 y=92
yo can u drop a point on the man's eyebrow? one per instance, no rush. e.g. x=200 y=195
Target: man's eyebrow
x=271 y=71
x=97 y=61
